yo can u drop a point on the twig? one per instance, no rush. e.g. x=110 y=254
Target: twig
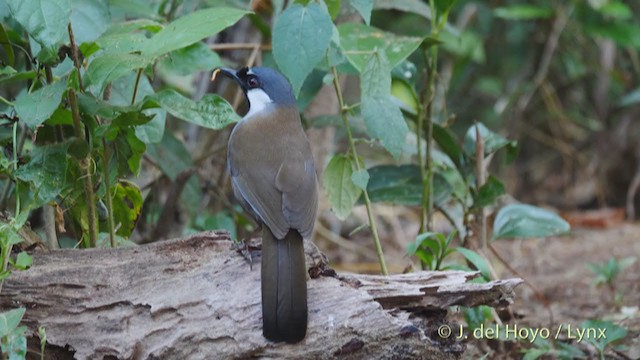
x=539 y=295
x=372 y=222
x=135 y=86
x=75 y=57
x=240 y=46
x=480 y=179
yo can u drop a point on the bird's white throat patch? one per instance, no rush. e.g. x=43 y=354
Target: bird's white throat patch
x=258 y=100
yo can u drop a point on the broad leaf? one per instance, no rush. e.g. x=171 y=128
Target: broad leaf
x=23 y=261
x=339 y=186
x=45 y=20
x=38 y=106
x=9 y=321
x=46 y=171
x=363 y=7
x=211 y=111
x=612 y=333
x=301 y=36
x=127 y=206
x=89 y=19
x=488 y=193
x=383 y=118
x=360 y=41
x=190 y=29
x=526 y=221
x=403 y=185
x=413 y=6
x=477 y=260
x=360 y=178
x=110 y=66
x=189 y=60
x=492 y=141
x=447 y=142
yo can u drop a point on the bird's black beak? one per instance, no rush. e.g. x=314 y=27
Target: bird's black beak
x=230 y=73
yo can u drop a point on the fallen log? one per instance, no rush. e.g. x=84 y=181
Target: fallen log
x=198 y=298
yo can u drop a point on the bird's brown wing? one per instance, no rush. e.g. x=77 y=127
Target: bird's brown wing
x=296 y=179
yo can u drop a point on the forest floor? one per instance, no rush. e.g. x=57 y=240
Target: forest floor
x=557 y=267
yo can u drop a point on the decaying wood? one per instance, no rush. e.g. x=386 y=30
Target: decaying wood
x=197 y=298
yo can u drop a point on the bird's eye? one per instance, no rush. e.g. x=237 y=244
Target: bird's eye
x=252 y=82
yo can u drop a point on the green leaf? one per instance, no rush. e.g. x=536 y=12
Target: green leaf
x=412 y=6
x=382 y=117
x=127 y=206
x=630 y=99
x=477 y=260
x=9 y=321
x=443 y=7
x=89 y=19
x=38 y=106
x=616 y=10
x=492 y=141
x=109 y=67
x=623 y=33
x=211 y=111
x=447 y=142
x=171 y=156
x=45 y=20
x=359 y=41
x=23 y=261
x=301 y=36
x=403 y=185
x=338 y=184
x=121 y=94
x=333 y=7
x=612 y=333
x=360 y=178
x=191 y=59
x=488 y=193
x=363 y=7
x=523 y=12
x=46 y=171
x=190 y=29
x=526 y=221
x=406 y=96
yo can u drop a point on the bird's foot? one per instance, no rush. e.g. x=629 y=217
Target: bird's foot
x=244 y=249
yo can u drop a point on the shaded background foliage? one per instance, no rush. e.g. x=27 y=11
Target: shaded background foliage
x=117 y=139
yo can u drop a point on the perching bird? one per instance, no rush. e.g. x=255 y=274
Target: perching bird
x=274 y=178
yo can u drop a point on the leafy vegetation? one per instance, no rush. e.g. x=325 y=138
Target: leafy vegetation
x=108 y=133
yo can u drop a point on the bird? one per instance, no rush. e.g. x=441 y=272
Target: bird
x=273 y=177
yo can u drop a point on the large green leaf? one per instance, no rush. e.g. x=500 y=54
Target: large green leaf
x=127 y=206
x=488 y=193
x=301 y=36
x=46 y=171
x=526 y=221
x=89 y=19
x=9 y=321
x=45 y=20
x=121 y=94
x=611 y=331
x=382 y=116
x=413 y=6
x=190 y=29
x=403 y=185
x=359 y=41
x=38 y=106
x=338 y=184
x=363 y=7
x=211 y=111
x=193 y=58
x=109 y=67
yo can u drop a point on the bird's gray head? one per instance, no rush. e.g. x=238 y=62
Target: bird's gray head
x=261 y=86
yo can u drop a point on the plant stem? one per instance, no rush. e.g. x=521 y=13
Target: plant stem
x=372 y=222
x=135 y=86
x=85 y=166
x=109 y=201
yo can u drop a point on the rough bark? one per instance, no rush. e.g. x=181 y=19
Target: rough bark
x=197 y=298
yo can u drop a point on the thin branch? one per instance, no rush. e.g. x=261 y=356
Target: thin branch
x=240 y=46
x=372 y=222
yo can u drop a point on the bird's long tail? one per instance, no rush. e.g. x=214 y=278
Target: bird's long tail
x=284 y=287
